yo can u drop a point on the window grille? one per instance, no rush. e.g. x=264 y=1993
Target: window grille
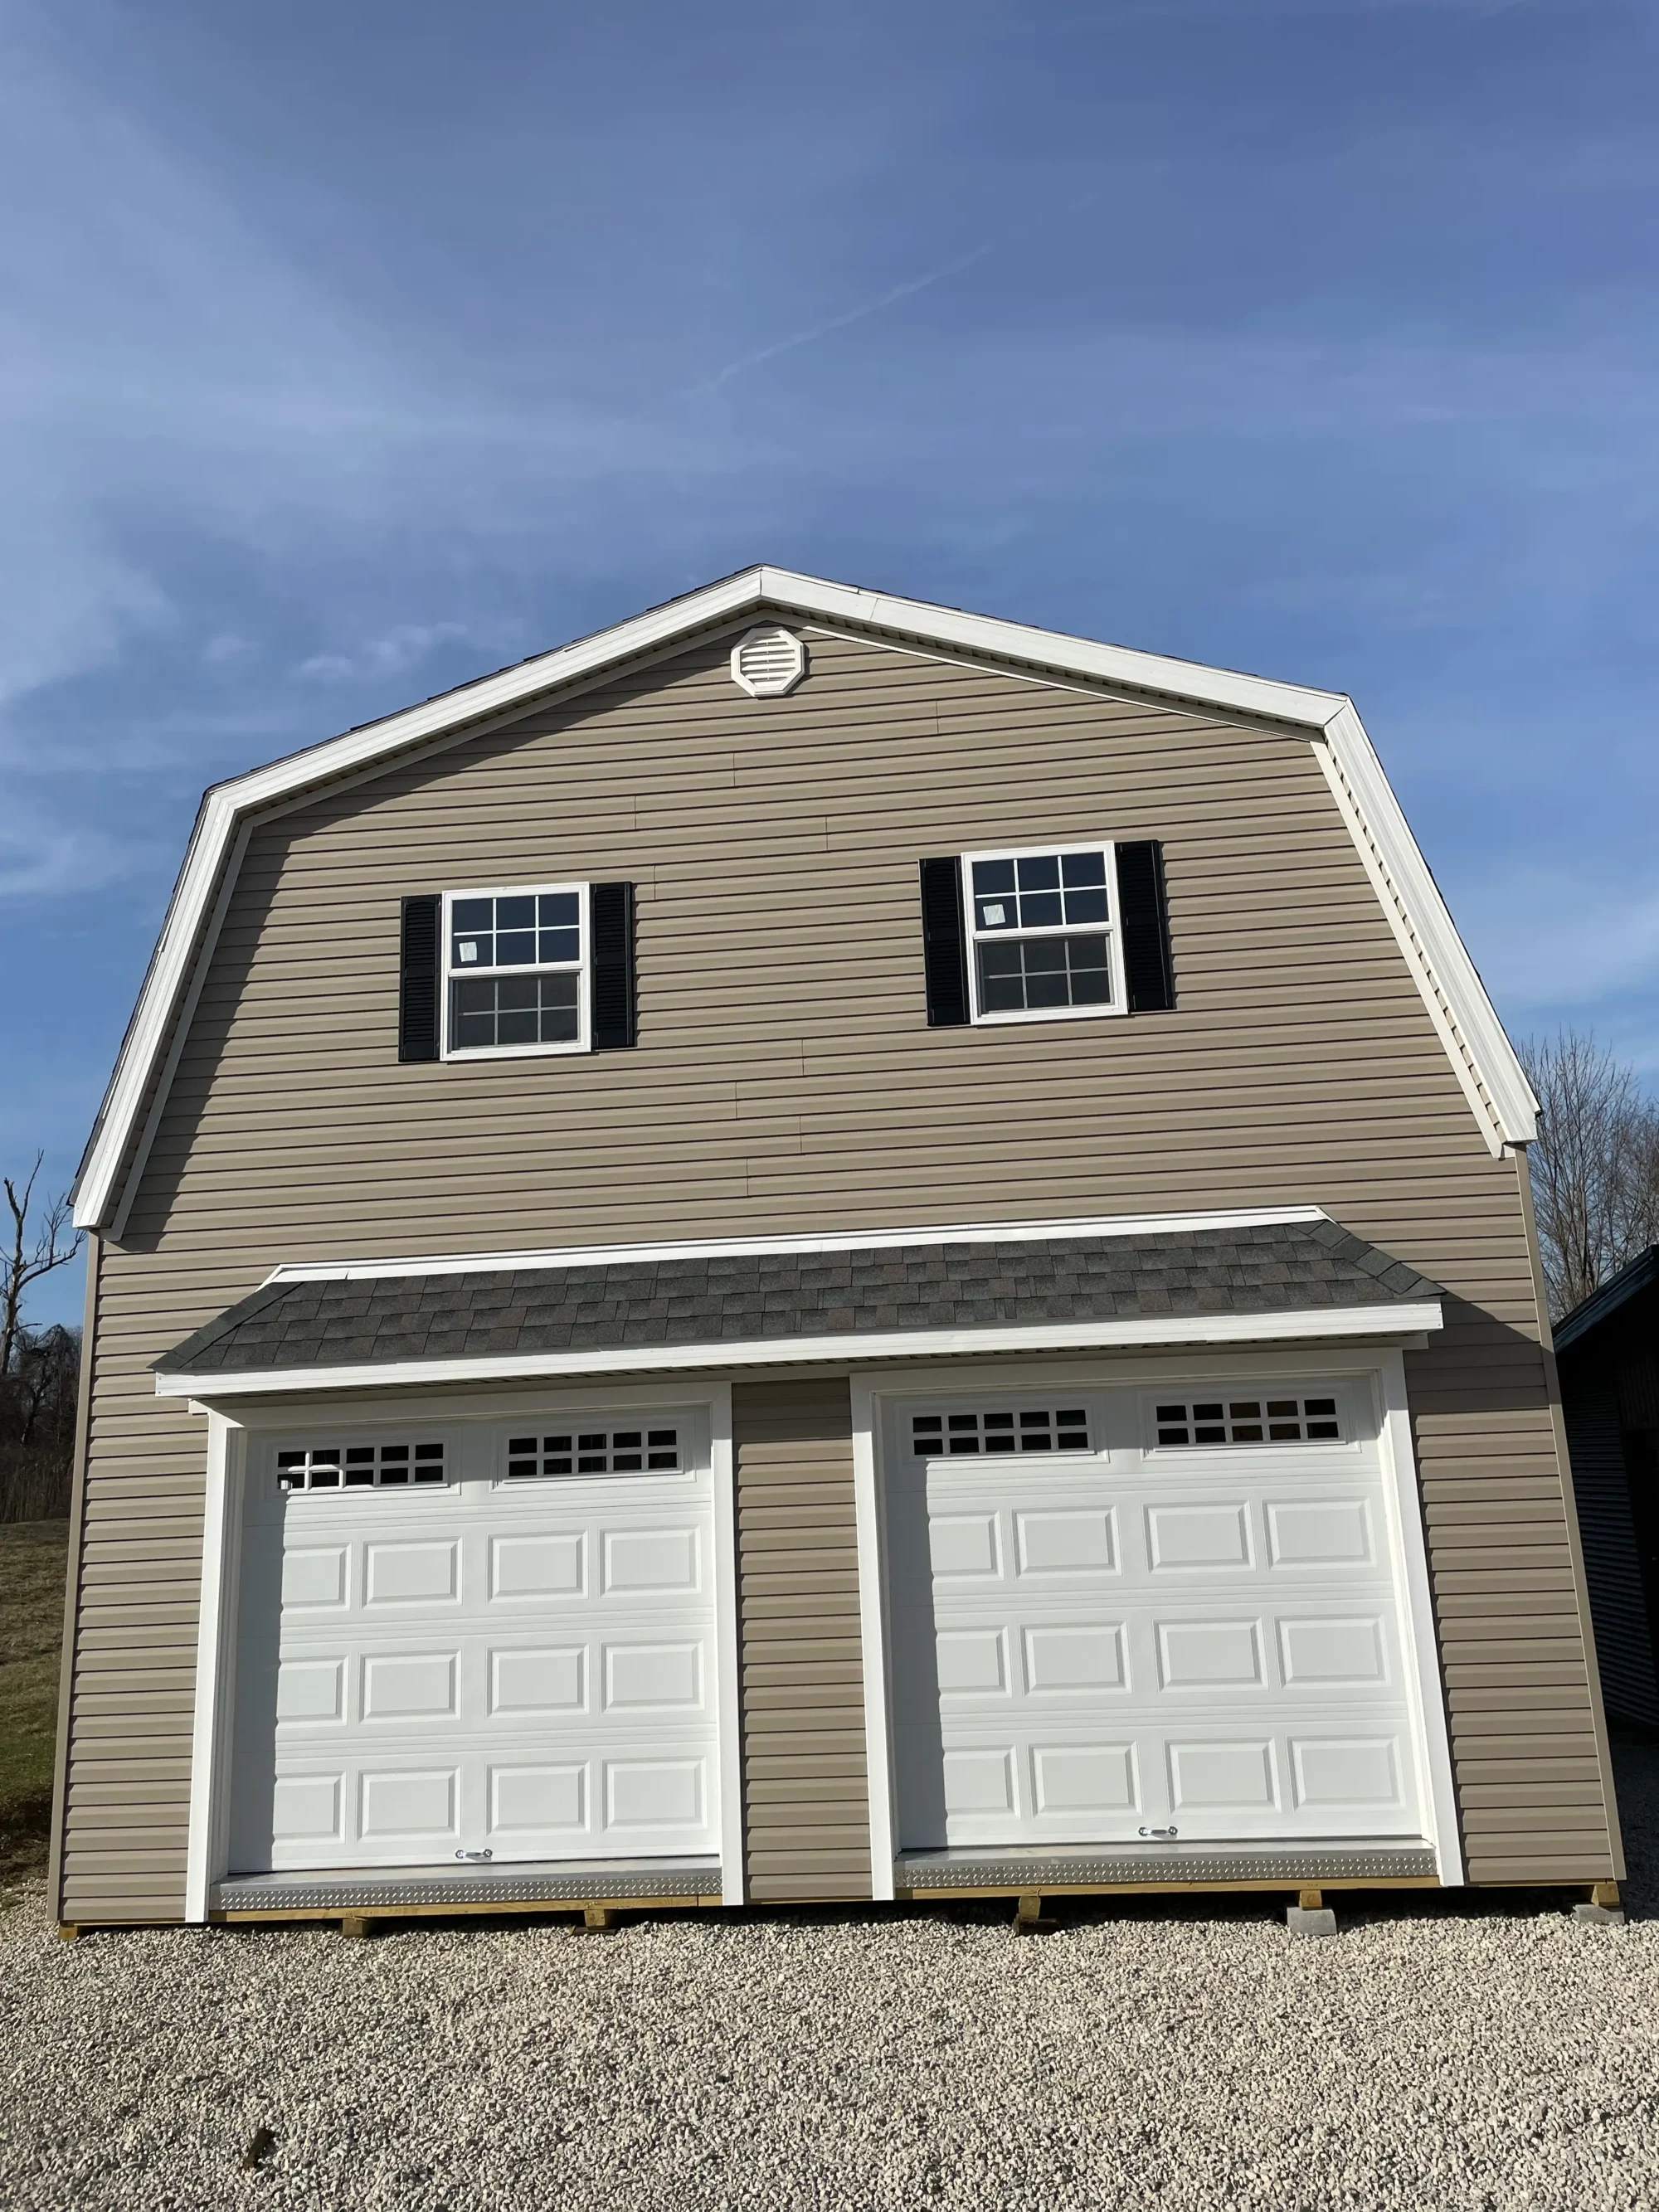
x=594 y=1451
x=1249 y=1421
x=514 y=964
x=360 y=1467
x=1039 y=1429
x=1041 y=924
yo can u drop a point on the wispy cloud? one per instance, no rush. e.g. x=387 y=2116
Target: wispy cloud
x=167 y=368
x=42 y=857
x=401 y=648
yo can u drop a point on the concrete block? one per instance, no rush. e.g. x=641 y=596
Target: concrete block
x=1302 y=1921
x=1601 y=1916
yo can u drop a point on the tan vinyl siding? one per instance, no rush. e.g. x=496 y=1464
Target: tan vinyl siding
x=807 y=1820
x=786 y=1080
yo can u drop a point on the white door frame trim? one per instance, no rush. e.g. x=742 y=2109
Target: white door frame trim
x=212 y=1731
x=1424 y=1685
x=870 y=1520
x=207 y=1841
x=728 y=1713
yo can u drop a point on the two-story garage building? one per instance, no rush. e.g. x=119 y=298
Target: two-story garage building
x=817 y=1248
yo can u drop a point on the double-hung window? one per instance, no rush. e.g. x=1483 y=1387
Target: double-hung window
x=515 y=971
x=1043 y=934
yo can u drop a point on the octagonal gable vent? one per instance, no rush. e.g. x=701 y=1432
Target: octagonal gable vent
x=767 y=662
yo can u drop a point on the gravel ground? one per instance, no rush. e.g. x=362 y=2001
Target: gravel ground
x=1430 y=2056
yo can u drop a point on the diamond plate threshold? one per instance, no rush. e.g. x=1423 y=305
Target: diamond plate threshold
x=924 y=1874
x=564 y=1881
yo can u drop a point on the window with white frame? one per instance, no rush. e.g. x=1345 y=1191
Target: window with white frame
x=359 y=1467
x=515 y=965
x=1026 y=1429
x=1042 y=930
x=1230 y=1420
x=594 y=1451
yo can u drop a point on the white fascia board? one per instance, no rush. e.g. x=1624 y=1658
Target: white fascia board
x=1410 y=1318
x=1484 y=1060
x=837 y=1239
x=1156 y=673
x=187 y=912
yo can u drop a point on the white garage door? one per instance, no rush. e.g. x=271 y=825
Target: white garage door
x=461 y=1643
x=1123 y=1615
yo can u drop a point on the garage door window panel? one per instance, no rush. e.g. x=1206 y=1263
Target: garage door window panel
x=1004 y=1432
x=391 y=1466
x=1238 y=1419
x=592 y=1450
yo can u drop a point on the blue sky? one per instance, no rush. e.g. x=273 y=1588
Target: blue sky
x=348 y=352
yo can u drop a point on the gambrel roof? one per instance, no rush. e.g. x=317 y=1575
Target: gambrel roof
x=1480 y=1055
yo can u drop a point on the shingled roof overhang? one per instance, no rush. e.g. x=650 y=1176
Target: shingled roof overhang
x=1299 y=1276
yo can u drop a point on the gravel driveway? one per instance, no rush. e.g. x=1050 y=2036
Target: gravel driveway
x=1430 y=2056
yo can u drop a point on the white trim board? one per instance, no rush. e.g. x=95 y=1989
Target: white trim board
x=835 y=1240
x=870 y=1517
x=208 y=1828
x=1439 y=961
x=728 y=1699
x=1426 y=1681
x=1407 y=1319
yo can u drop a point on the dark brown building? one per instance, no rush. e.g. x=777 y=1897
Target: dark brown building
x=1608 y=1350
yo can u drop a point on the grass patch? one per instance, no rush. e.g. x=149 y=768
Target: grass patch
x=32 y=1555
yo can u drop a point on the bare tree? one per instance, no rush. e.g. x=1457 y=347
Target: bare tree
x=38 y=1366
x=37 y=1423
x=1594 y=1167
x=35 y=1249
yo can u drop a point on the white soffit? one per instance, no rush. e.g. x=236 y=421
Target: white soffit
x=1481 y=1054
x=1407 y=1319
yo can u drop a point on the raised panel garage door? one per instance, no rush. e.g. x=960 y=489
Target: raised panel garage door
x=456 y=1663
x=1121 y=1616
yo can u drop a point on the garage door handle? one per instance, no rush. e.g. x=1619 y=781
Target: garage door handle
x=1160 y=1832
x=491 y=1854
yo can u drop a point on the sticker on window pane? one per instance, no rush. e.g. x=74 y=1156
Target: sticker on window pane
x=1024 y=1429
x=360 y=1467
x=594 y=1451
x=1248 y=1421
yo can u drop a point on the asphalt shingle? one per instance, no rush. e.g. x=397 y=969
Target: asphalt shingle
x=1270 y=1268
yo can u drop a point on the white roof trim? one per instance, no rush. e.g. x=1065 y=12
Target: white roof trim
x=1444 y=968
x=1408 y=1318
x=1481 y=1056
x=836 y=1240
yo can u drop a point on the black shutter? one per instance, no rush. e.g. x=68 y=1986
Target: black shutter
x=610 y=923
x=944 y=958
x=1143 y=910
x=417 y=992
